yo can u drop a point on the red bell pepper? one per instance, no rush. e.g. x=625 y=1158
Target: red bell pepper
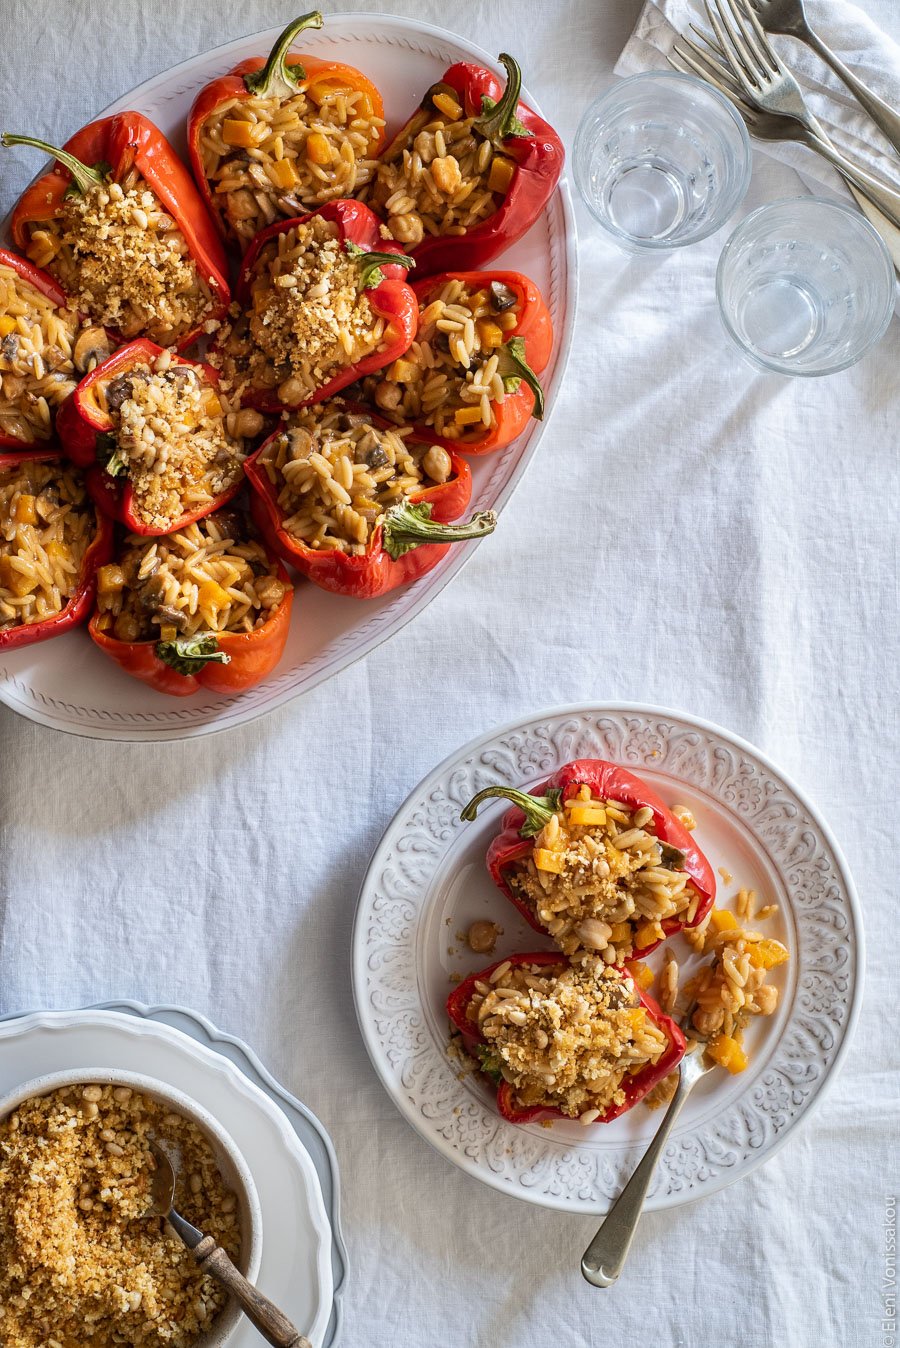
x=45 y=285
x=516 y=132
x=96 y=555
x=86 y=433
x=388 y=293
x=408 y=541
x=280 y=76
x=106 y=151
x=607 y=781
x=227 y=663
x=635 y=1086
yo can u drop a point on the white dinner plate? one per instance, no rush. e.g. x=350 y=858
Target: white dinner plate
x=67 y=683
x=296 y=1269
x=427 y=882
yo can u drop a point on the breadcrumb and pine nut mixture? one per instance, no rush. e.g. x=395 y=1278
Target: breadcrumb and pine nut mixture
x=598 y=878
x=336 y=474
x=271 y=158
x=449 y=380
x=121 y=258
x=47 y=523
x=179 y=439
x=80 y=1264
x=307 y=318
x=212 y=576
x=564 y=1036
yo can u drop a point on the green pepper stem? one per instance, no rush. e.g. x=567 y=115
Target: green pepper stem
x=406 y=526
x=538 y=810
x=513 y=368
x=498 y=121
x=82 y=177
x=276 y=79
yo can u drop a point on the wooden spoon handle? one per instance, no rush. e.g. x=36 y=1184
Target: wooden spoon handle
x=267 y=1318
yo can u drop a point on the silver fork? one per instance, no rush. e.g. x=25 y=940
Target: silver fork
x=767 y=83
x=604 y=1258
x=789 y=18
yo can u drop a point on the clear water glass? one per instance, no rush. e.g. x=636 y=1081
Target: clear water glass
x=805 y=286
x=662 y=160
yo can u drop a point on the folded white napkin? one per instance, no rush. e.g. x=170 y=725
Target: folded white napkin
x=872 y=56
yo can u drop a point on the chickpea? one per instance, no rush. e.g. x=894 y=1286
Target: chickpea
x=291 y=392
x=482 y=936
x=437 y=465
x=127 y=627
x=446 y=173
x=424 y=146
x=242 y=204
x=766 y=999
x=388 y=396
x=246 y=423
x=407 y=228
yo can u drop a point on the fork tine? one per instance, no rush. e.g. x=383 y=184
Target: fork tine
x=739 y=18
x=691 y=60
x=763 y=40
x=741 y=69
x=710 y=59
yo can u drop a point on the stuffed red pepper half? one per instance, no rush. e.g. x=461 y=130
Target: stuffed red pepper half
x=471 y=375
x=357 y=505
x=469 y=173
x=279 y=136
x=206 y=607
x=593 y=857
x=119 y=223
x=565 y=1038
x=321 y=304
x=161 y=442
x=52 y=542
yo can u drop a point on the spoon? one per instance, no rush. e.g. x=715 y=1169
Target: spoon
x=213 y=1261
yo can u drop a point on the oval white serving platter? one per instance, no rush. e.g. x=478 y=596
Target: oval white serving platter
x=427 y=882
x=67 y=683
x=296 y=1269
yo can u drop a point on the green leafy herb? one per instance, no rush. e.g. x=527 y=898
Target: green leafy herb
x=370 y=264
x=110 y=455
x=490 y=1065
x=188 y=655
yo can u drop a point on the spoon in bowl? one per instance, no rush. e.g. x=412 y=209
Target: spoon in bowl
x=214 y=1262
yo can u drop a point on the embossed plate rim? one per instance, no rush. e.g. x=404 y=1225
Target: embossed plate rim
x=433 y=785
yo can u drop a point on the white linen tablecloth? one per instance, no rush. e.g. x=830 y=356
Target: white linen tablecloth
x=732 y=541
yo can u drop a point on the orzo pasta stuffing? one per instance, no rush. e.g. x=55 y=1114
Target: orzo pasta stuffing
x=81 y=1266
x=47 y=523
x=305 y=319
x=564 y=1037
x=177 y=437
x=599 y=878
x=211 y=577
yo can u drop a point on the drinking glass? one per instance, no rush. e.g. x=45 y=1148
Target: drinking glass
x=805 y=286
x=662 y=160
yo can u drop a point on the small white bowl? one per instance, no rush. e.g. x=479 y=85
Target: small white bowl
x=232 y=1166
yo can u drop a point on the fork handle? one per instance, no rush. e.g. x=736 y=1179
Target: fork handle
x=604 y=1258
x=264 y=1314
x=878 y=192
x=881 y=113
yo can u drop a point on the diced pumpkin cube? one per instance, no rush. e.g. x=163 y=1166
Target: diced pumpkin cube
x=11 y=578
x=325 y=89
x=211 y=595
x=586 y=814
x=283 y=173
x=237 y=131
x=110 y=579
x=640 y=972
x=467 y=416
x=722 y=920
x=7 y=324
x=727 y=1052
x=25 y=512
x=57 y=552
x=448 y=105
x=767 y=954
x=636 y=1016
x=647 y=933
x=168 y=632
x=318 y=151
x=402 y=371
x=545 y=860
x=490 y=333
x=501 y=174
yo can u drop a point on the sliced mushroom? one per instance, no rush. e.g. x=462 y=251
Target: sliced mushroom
x=364 y=446
x=300 y=442
x=501 y=297
x=91 y=347
x=47 y=502
x=376 y=458
x=9 y=347
x=672 y=857
x=171 y=617
x=152 y=593
x=118 y=391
